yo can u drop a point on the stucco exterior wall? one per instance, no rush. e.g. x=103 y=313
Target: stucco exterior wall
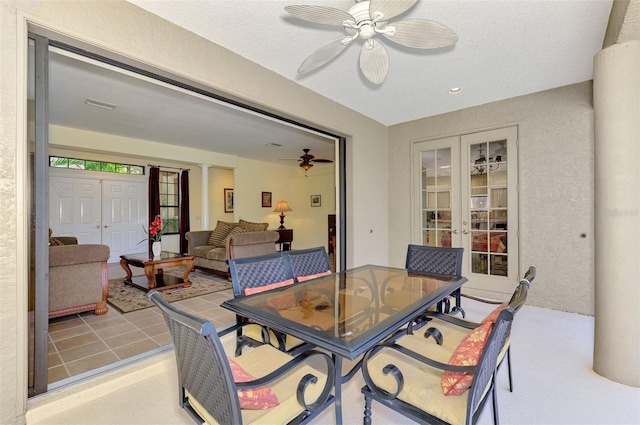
x=118 y=26
x=556 y=142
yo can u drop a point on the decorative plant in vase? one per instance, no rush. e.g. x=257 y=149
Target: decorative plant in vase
x=156 y=230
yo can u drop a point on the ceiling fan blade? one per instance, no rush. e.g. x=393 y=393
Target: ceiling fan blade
x=322 y=56
x=422 y=34
x=322 y=160
x=390 y=8
x=319 y=14
x=374 y=61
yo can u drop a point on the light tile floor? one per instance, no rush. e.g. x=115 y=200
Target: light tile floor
x=81 y=343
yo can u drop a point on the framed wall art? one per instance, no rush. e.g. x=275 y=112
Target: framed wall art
x=266 y=199
x=316 y=200
x=228 y=200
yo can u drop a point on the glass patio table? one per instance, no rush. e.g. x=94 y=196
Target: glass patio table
x=346 y=313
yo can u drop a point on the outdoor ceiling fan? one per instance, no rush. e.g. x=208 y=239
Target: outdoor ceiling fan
x=365 y=20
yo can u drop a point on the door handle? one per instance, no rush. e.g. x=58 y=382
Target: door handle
x=466 y=232
x=454 y=231
x=106 y=226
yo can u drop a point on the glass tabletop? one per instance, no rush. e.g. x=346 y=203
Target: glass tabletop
x=145 y=256
x=348 y=312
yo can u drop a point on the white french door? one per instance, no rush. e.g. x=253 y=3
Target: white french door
x=99 y=211
x=437 y=186
x=466 y=195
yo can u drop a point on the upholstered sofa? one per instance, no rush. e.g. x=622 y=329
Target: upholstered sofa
x=77 y=278
x=212 y=248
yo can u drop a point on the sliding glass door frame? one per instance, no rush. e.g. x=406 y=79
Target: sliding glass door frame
x=40 y=215
x=40 y=184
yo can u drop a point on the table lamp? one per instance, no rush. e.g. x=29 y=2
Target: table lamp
x=282 y=207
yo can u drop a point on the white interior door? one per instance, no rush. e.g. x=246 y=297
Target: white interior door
x=109 y=212
x=124 y=217
x=465 y=195
x=75 y=208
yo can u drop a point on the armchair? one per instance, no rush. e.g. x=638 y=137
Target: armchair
x=437 y=260
x=256 y=274
x=431 y=383
x=449 y=331
x=78 y=279
x=217 y=389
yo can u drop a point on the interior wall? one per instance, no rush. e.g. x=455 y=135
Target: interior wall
x=556 y=142
x=310 y=224
x=285 y=183
x=219 y=179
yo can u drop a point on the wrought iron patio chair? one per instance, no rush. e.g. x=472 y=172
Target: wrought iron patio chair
x=309 y=263
x=406 y=374
x=207 y=388
x=257 y=274
x=437 y=260
x=449 y=331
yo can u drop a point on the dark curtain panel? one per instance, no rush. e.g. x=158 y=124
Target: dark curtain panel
x=185 y=225
x=154 y=195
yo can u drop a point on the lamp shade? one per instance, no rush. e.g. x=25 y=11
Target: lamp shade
x=282 y=206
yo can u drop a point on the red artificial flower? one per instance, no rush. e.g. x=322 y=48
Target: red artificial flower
x=156 y=230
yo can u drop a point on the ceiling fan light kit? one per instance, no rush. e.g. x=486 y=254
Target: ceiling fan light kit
x=365 y=20
x=306 y=160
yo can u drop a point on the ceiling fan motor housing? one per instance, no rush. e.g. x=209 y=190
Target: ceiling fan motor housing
x=364 y=25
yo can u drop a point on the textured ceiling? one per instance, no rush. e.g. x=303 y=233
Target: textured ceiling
x=506 y=48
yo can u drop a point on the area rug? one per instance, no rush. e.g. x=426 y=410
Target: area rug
x=126 y=298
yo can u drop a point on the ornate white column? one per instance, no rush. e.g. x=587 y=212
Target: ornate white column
x=616 y=102
x=204 y=196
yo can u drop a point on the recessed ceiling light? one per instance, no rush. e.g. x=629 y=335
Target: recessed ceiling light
x=455 y=90
x=100 y=104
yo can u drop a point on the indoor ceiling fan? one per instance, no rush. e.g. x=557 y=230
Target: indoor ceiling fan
x=365 y=20
x=307 y=160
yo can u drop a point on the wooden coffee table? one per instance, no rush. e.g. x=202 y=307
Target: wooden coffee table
x=154 y=277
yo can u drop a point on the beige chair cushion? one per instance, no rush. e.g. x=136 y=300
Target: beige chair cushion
x=400 y=297
x=261 y=361
x=255 y=332
x=421 y=383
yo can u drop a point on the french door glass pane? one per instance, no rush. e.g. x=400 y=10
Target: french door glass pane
x=436 y=197
x=488 y=185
